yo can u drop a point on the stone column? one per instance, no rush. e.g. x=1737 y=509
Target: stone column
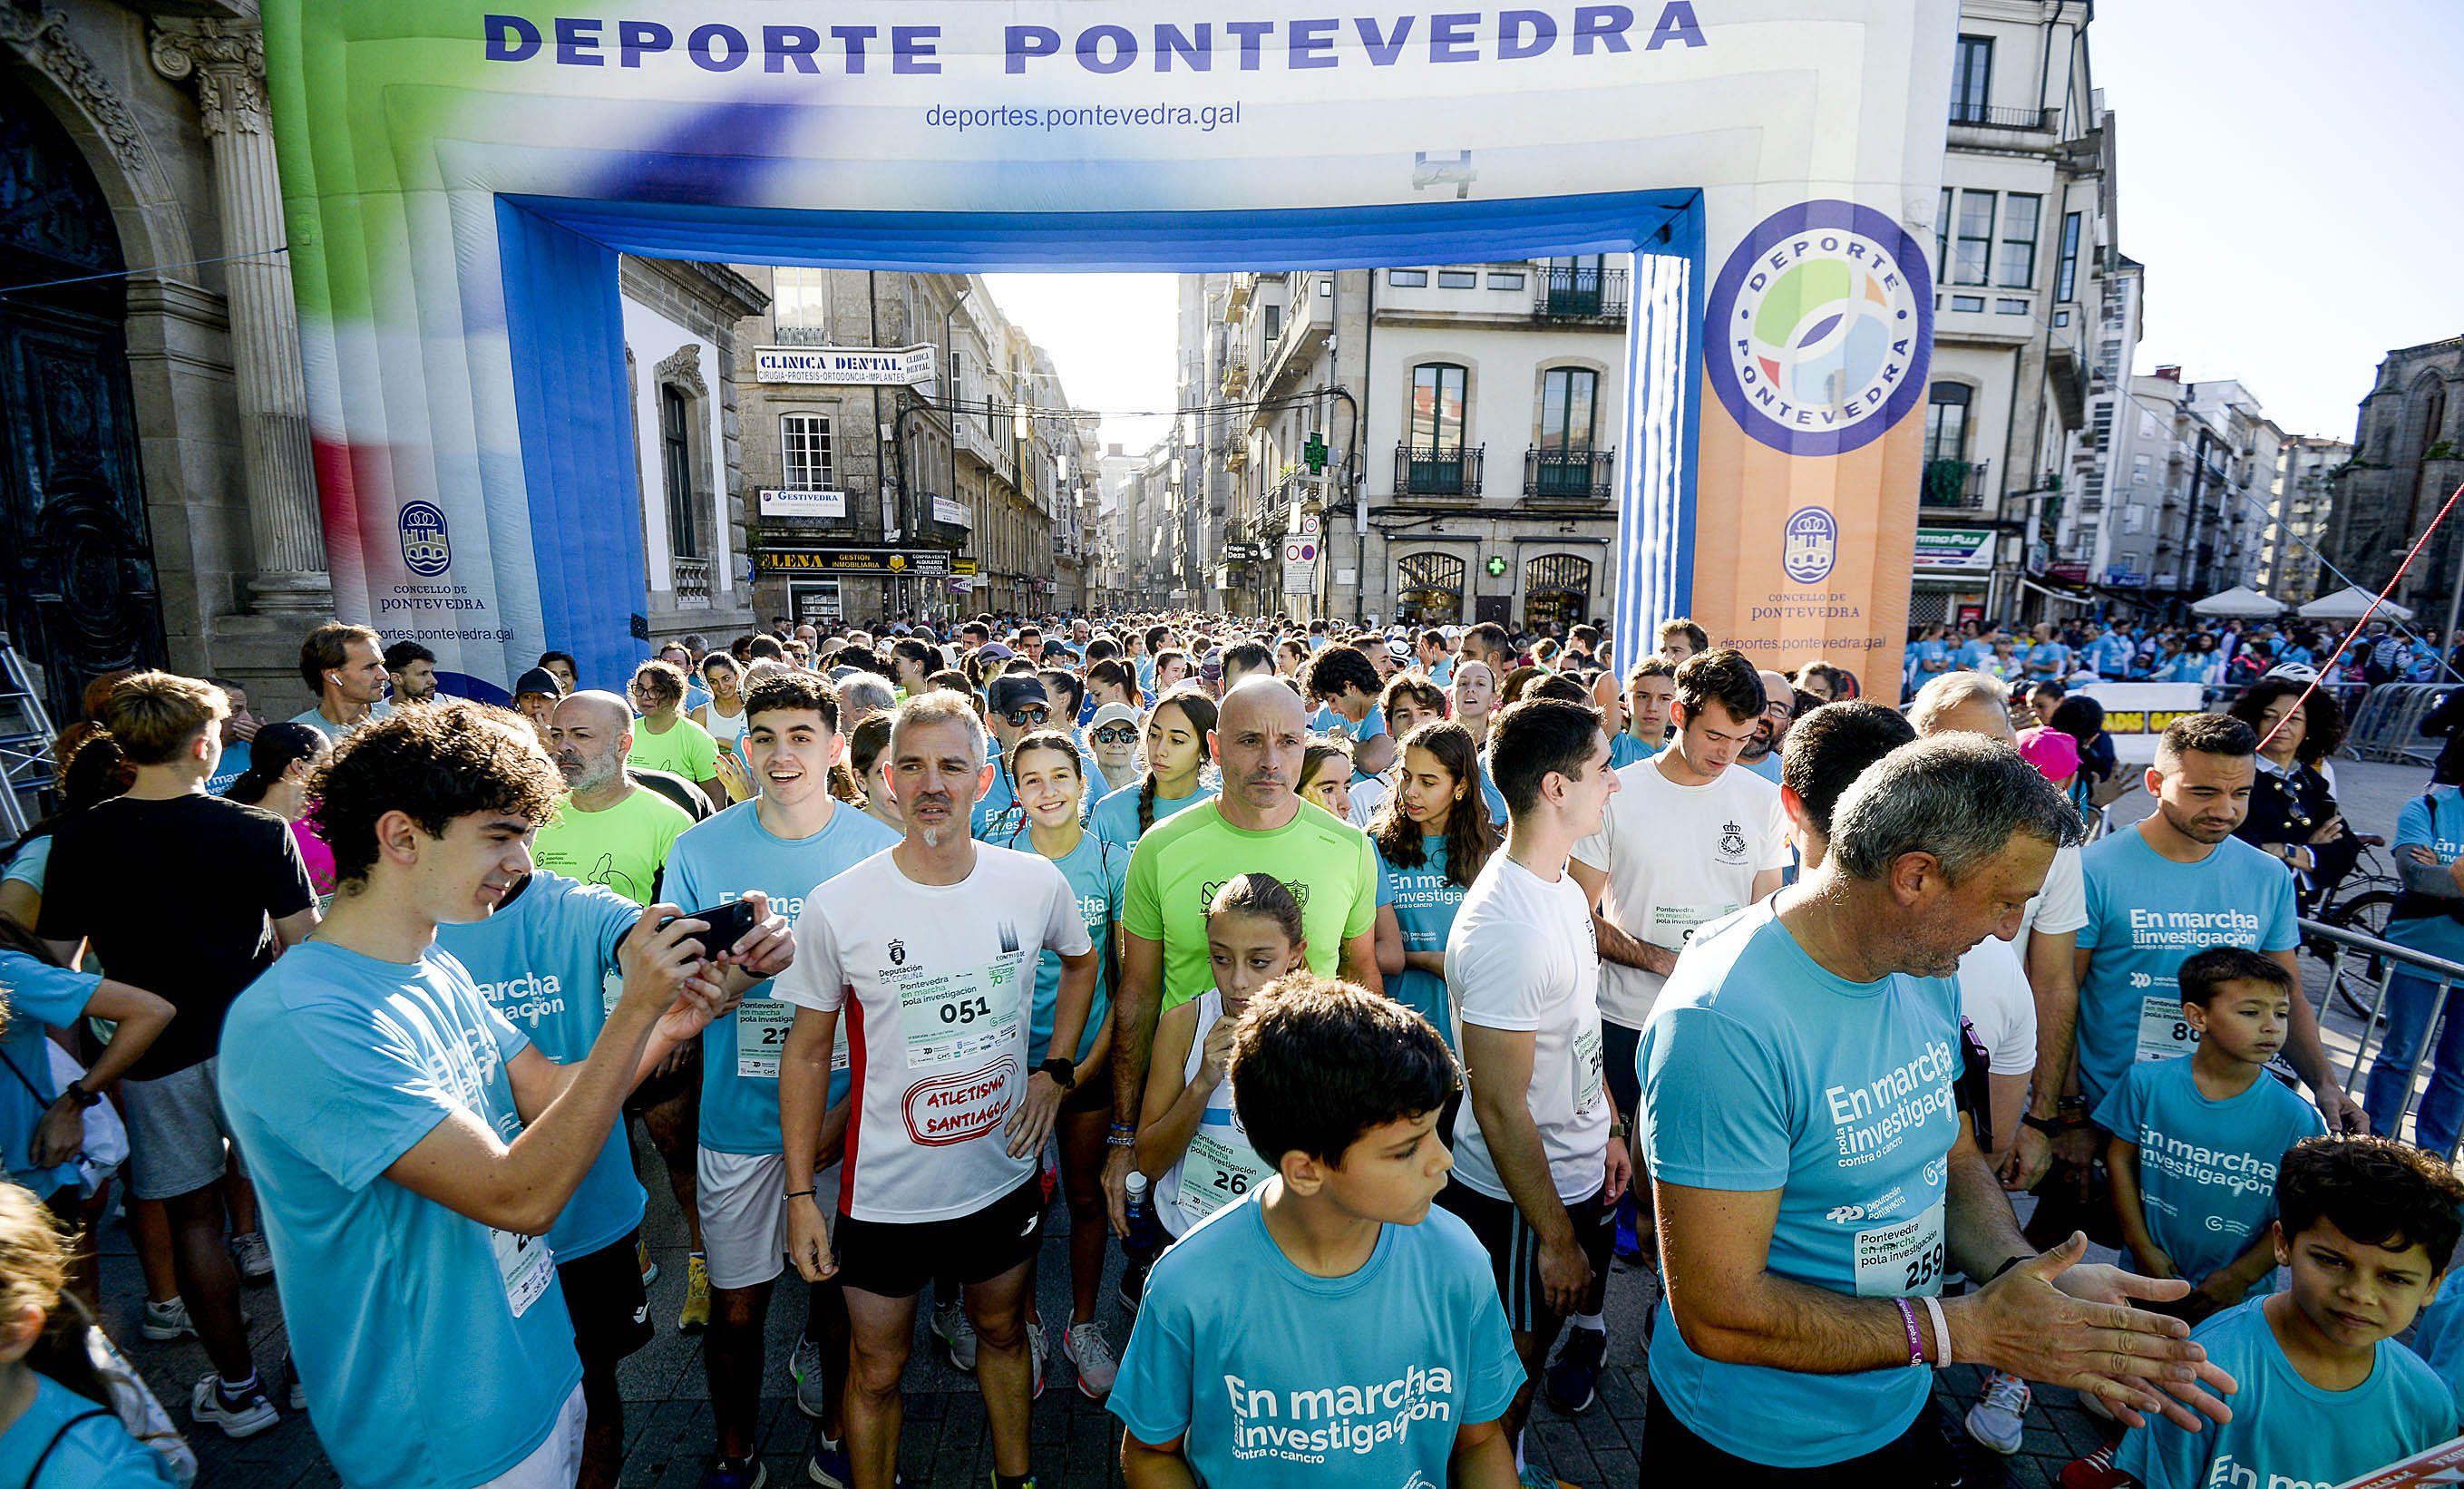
x=226 y=62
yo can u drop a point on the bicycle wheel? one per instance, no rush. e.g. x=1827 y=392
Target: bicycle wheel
x=2358 y=975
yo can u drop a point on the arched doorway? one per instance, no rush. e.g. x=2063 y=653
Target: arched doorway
x=1556 y=589
x=1429 y=589
x=77 y=589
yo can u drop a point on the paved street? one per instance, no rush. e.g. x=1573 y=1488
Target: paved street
x=946 y=1443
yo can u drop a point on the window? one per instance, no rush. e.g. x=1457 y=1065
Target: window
x=2012 y=307
x=2061 y=318
x=1941 y=240
x=1408 y=278
x=1568 y=399
x=1975 y=247
x=1437 y=406
x=1975 y=302
x=1971 y=79
x=1457 y=280
x=2066 y=268
x=1947 y=422
x=1506 y=281
x=2018 y=266
x=676 y=470
x=1326 y=287
x=799 y=302
x=1575 y=284
x=1272 y=319
x=805 y=452
x=2138 y=468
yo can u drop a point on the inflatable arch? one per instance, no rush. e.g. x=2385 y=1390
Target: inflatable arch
x=460 y=178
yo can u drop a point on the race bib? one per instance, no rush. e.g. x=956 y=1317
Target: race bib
x=962 y=1016
x=524 y=1264
x=2163 y=1029
x=1588 y=1070
x=1904 y=1259
x=761 y=1026
x=1671 y=925
x=1215 y=1172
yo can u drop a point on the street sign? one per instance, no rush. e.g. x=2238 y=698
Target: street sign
x=1309 y=526
x=1314 y=452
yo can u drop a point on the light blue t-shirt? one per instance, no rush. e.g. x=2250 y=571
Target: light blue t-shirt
x=435 y=1351
x=233 y=765
x=2048 y=659
x=1272 y=1376
x=1625 y=749
x=1327 y=721
x=1934 y=650
x=1494 y=797
x=2285 y=1431
x=2438 y=1337
x=98 y=1452
x=545 y=962
x=714 y=863
x=995 y=814
x=34 y=993
x=1762 y=1071
x=1115 y=817
x=1767 y=767
x=2207 y=1169
x=1098 y=874
x=2145 y=915
x=2109 y=656
x=2436 y=823
x=1424 y=902
x=32 y=861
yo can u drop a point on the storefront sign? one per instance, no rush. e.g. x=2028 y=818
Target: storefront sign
x=954 y=513
x=1958 y=548
x=830 y=505
x=867 y=558
x=860 y=366
x=2136 y=714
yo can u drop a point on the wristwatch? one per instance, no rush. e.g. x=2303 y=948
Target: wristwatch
x=76 y=1091
x=2051 y=1127
x=1062 y=1071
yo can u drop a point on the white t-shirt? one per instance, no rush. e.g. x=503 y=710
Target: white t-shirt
x=1677 y=857
x=2059 y=907
x=1219 y=1168
x=1522 y=957
x=937 y=985
x=1994 y=994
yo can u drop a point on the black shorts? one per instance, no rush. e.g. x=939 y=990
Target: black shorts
x=1513 y=1249
x=1617 y=1046
x=1092 y=1094
x=893 y=1260
x=602 y=1291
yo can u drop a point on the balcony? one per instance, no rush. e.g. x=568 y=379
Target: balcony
x=1237 y=457
x=1236 y=377
x=1303 y=331
x=1237 y=293
x=1438 y=469
x=1579 y=294
x=692 y=582
x=969 y=437
x=1956 y=486
x=800 y=336
x=1569 y=478
x=1976 y=116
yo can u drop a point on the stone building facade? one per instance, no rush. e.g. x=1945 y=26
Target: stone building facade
x=2408 y=455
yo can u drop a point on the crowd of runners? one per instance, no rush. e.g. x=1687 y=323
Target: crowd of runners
x=1377 y=993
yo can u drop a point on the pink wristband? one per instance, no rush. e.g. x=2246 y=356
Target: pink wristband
x=1916 y=1338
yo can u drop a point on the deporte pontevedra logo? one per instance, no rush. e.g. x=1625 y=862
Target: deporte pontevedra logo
x=1819 y=328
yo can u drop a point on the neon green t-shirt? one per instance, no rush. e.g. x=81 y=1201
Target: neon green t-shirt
x=1328 y=864
x=687 y=750
x=622 y=847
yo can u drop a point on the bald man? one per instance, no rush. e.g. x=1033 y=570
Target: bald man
x=1258 y=823
x=608 y=830
x=1762 y=753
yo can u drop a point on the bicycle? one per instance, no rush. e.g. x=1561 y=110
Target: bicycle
x=2371 y=890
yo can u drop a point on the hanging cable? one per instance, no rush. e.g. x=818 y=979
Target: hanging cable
x=127 y=274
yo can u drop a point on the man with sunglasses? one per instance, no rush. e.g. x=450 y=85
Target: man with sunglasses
x=1113 y=739
x=1020 y=706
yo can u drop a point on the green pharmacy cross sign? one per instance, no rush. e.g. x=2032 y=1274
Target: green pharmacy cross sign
x=1496 y=565
x=1314 y=452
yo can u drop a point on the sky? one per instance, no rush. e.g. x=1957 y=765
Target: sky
x=2287 y=172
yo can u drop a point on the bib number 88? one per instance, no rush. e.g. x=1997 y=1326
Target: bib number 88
x=964 y=1011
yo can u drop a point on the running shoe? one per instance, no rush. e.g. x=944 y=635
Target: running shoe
x=1572 y=1381
x=256 y=1264
x=1092 y=1354
x=1038 y=1347
x=2096 y=1471
x=168 y=1321
x=804 y=1367
x=1133 y=1284
x=650 y=1268
x=1534 y=1476
x=956 y=1335
x=696 y=1316
x=745 y=1473
x=294 y=1395
x=829 y=1468
x=1629 y=1250
x=1999 y=1417
x=243 y=1413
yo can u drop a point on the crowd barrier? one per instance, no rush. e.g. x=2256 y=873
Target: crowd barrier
x=2387 y=725
x=2381 y=960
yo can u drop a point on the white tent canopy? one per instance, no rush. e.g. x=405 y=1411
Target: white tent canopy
x=2240 y=601
x=2348 y=604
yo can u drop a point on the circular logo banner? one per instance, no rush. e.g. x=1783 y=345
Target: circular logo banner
x=1810 y=544
x=1821 y=327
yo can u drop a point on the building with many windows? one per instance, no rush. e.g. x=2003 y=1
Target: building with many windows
x=2407 y=456
x=2302 y=503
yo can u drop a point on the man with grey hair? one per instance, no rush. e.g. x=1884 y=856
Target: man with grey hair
x=1817 y=1179
x=863 y=694
x=609 y=829
x=1962 y=702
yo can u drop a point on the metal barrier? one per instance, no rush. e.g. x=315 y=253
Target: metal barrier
x=2445 y=973
x=2388 y=726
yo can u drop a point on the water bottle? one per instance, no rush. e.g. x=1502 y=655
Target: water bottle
x=1137 y=1197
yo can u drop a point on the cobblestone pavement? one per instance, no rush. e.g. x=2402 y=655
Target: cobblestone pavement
x=667 y=1415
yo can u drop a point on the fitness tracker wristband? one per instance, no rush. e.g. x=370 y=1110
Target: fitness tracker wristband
x=1063 y=1072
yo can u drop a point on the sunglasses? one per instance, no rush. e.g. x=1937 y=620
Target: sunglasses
x=1116 y=735
x=1031 y=714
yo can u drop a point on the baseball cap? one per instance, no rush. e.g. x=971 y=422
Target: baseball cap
x=1016 y=690
x=995 y=650
x=538 y=679
x=1113 y=713
x=1211 y=667
x=1400 y=649
x=2054 y=754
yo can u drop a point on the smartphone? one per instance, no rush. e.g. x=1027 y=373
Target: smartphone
x=728 y=925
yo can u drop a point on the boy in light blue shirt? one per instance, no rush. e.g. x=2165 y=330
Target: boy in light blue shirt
x=1331 y=1327
x=2367 y=1226
x=409 y=1145
x=2196 y=1138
